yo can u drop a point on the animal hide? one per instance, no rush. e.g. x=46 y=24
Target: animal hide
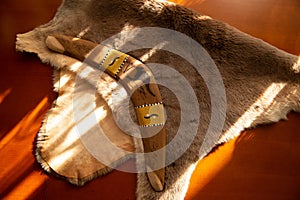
x=261 y=85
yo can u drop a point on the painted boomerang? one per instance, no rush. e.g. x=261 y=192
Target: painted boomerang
x=138 y=80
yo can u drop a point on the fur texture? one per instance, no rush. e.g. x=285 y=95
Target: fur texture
x=261 y=81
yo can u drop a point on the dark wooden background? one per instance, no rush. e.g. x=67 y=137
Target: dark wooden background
x=263 y=163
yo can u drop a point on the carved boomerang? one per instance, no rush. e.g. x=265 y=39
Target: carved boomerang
x=138 y=80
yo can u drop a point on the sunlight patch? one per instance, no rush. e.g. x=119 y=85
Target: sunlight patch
x=4 y=94
x=157 y=8
x=261 y=105
x=64 y=80
x=152 y=51
x=27 y=186
x=60 y=159
x=83 y=32
x=296 y=66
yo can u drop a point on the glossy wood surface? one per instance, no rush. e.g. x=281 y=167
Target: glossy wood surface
x=263 y=163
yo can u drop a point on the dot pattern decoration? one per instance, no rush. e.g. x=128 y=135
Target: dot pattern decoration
x=150 y=115
x=113 y=62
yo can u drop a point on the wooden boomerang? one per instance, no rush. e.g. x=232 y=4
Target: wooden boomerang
x=138 y=80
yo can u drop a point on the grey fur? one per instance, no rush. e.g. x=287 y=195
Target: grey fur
x=248 y=67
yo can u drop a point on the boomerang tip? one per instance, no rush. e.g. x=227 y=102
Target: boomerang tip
x=155 y=181
x=53 y=44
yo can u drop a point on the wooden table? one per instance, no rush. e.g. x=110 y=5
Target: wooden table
x=263 y=163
